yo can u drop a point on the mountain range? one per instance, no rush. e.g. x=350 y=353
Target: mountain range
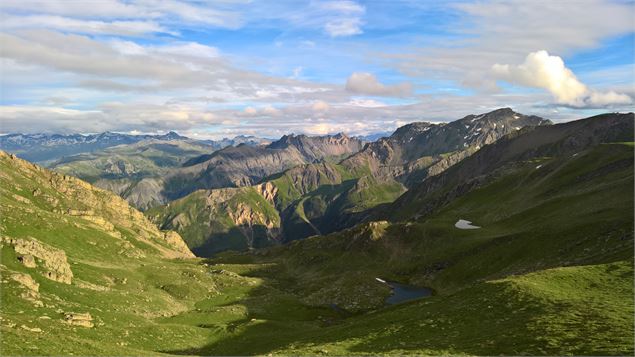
x=45 y=148
x=523 y=245
x=324 y=197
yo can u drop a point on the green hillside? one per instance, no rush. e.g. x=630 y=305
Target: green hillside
x=300 y=202
x=132 y=170
x=211 y=221
x=549 y=271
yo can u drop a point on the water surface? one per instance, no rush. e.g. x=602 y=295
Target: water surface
x=402 y=293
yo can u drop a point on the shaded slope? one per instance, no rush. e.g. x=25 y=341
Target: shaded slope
x=531 y=143
x=323 y=197
x=132 y=171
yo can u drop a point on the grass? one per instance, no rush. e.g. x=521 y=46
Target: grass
x=550 y=273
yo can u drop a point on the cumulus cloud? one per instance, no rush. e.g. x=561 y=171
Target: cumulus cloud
x=541 y=70
x=505 y=31
x=367 y=83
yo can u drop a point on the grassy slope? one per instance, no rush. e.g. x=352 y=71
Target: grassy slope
x=210 y=229
x=518 y=301
x=141 y=303
x=577 y=212
x=583 y=310
x=149 y=158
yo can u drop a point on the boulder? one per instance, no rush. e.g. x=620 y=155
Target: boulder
x=79 y=319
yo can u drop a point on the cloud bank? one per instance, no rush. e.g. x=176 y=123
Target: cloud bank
x=367 y=83
x=541 y=70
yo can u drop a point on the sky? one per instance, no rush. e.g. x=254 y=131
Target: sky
x=212 y=69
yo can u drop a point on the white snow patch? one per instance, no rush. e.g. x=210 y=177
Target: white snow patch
x=539 y=166
x=463 y=224
x=477 y=117
x=381 y=280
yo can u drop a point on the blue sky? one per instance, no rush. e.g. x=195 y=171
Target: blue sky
x=224 y=68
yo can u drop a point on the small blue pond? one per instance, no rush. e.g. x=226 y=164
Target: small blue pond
x=402 y=293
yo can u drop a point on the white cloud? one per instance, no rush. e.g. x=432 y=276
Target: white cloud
x=492 y=32
x=341 y=18
x=122 y=28
x=601 y=99
x=163 y=11
x=270 y=111
x=367 y=83
x=320 y=106
x=541 y=70
x=343 y=27
x=366 y=103
x=297 y=72
x=251 y=111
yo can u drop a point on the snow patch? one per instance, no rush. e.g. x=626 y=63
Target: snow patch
x=477 y=117
x=463 y=224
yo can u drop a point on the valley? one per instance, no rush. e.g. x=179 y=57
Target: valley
x=549 y=271
x=317 y=178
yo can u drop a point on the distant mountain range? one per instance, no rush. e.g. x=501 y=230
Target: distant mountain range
x=44 y=148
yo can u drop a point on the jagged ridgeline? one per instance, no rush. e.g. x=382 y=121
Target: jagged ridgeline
x=320 y=197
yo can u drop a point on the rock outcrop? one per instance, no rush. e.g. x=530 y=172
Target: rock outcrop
x=79 y=319
x=51 y=259
x=31 y=288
